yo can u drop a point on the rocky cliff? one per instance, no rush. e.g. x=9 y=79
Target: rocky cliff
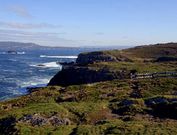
x=74 y=75
x=101 y=56
x=82 y=71
x=109 y=65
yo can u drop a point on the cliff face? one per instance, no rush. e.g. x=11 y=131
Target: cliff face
x=93 y=57
x=81 y=73
x=90 y=58
x=90 y=68
x=74 y=75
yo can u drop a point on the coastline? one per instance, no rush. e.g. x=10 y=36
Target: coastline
x=97 y=95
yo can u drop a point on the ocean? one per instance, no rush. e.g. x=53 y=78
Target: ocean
x=31 y=68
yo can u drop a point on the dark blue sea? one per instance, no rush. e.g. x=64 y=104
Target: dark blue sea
x=34 y=67
x=28 y=68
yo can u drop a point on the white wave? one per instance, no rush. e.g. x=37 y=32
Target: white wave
x=48 y=65
x=35 y=82
x=60 y=57
x=20 y=53
x=9 y=70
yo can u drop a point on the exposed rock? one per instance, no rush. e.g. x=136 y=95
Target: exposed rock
x=163 y=107
x=126 y=107
x=82 y=75
x=92 y=57
x=34 y=120
x=55 y=121
x=155 y=101
x=7 y=126
x=38 y=120
x=89 y=58
x=126 y=102
x=166 y=59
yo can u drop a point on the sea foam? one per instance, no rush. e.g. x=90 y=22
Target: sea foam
x=61 y=57
x=47 y=65
x=20 y=53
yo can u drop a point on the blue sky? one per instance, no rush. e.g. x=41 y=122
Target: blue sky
x=88 y=22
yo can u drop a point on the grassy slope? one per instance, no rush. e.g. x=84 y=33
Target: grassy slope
x=148 y=52
x=96 y=108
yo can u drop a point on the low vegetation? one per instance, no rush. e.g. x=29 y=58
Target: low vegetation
x=119 y=106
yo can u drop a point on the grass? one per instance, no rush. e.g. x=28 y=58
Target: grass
x=103 y=107
x=148 y=52
x=139 y=66
x=93 y=113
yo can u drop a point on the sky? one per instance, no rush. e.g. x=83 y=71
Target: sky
x=88 y=22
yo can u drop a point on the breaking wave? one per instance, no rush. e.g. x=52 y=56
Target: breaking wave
x=13 y=52
x=47 y=65
x=61 y=57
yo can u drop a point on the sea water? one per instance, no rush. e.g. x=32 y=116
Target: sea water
x=31 y=68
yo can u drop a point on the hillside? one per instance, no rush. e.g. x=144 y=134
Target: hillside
x=118 y=64
x=16 y=46
x=105 y=92
x=148 y=52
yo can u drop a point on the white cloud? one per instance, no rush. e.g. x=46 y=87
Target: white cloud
x=43 y=38
x=17 y=25
x=20 y=10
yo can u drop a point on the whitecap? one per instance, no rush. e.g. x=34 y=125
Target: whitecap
x=21 y=52
x=47 y=65
x=60 y=57
x=35 y=81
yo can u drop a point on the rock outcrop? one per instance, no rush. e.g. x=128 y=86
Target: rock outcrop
x=89 y=58
x=37 y=120
x=80 y=72
x=84 y=70
x=166 y=59
x=163 y=107
x=75 y=75
x=101 y=56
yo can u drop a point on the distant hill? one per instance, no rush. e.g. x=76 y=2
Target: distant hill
x=17 y=46
x=24 y=46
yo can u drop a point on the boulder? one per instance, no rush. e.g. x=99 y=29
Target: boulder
x=163 y=107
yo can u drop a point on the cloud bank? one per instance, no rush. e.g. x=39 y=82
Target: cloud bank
x=43 y=38
x=17 y=25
